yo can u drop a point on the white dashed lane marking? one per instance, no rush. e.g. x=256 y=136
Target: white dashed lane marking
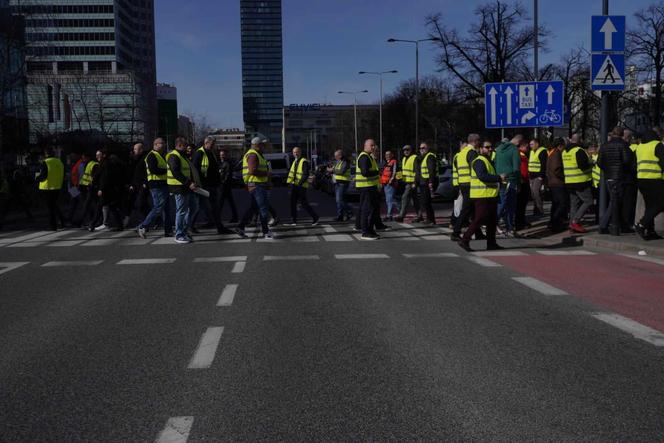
x=22 y=238
x=99 y=242
x=539 y=286
x=176 y=430
x=290 y=257
x=484 y=262
x=227 y=295
x=636 y=329
x=239 y=266
x=329 y=229
x=53 y=264
x=10 y=266
x=338 y=237
x=220 y=259
x=499 y=253
x=432 y=255
x=360 y=256
x=207 y=348
x=563 y=252
x=146 y=261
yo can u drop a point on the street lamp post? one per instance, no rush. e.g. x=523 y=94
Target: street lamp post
x=380 y=112
x=417 y=78
x=354 y=94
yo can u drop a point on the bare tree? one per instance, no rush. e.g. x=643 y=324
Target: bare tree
x=647 y=46
x=496 y=50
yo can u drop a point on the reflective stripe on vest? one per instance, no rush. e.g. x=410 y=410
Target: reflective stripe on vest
x=647 y=163
x=424 y=168
x=479 y=189
x=573 y=174
x=338 y=176
x=408 y=168
x=86 y=180
x=366 y=182
x=161 y=163
x=295 y=173
x=455 y=171
x=184 y=168
x=205 y=163
x=463 y=165
x=262 y=167
x=55 y=175
x=534 y=164
x=597 y=172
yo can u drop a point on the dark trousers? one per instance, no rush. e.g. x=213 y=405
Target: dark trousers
x=210 y=206
x=559 y=207
x=113 y=205
x=427 y=205
x=137 y=199
x=89 y=197
x=226 y=193
x=630 y=193
x=486 y=213
x=522 y=197
x=653 y=195
x=299 y=195
x=369 y=212
x=613 y=214
x=467 y=209
x=74 y=203
x=54 y=213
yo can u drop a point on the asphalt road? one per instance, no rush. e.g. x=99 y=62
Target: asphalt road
x=326 y=338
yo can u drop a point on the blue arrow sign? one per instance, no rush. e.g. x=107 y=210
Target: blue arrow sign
x=524 y=104
x=608 y=33
x=608 y=72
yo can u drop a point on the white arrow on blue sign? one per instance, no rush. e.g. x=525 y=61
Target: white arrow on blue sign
x=524 y=104
x=608 y=33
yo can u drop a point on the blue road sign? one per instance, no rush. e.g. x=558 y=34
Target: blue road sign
x=608 y=33
x=524 y=104
x=608 y=72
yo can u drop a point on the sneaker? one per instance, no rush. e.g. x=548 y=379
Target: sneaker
x=190 y=238
x=141 y=232
x=369 y=236
x=241 y=232
x=356 y=229
x=272 y=222
x=101 y=227
x=182 y=240
x=291 y=224
x=314 y=222
x=641 y=231
x=269 y=235
x=465 y=246
x=577 y=227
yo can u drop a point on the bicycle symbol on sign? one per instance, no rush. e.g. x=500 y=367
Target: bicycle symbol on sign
x=550 y=116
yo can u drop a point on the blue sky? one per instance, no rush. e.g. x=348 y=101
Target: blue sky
x=325 y=43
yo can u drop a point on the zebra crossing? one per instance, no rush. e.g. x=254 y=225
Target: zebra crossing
x=300 y=234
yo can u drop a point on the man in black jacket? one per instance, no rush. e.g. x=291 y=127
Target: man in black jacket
x=226 y=180
x=112 y=179
x=616 y=161
x=137 y=197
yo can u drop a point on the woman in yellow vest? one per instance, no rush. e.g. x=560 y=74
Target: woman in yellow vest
x=484 y=185
x=51 y=177
x=650 y=175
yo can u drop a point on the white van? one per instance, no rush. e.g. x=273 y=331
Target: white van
x=279 y=164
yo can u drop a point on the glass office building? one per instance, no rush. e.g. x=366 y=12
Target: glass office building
x=262 y=67
x=91 y=67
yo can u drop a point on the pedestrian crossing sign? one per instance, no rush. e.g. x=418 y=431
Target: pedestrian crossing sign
x=608 y=72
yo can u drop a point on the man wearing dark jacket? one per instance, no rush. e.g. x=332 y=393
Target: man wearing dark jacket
x=137 y=197
x=112 y=180
x=508 y=163
x=615 y=160
x=226 y=180
x=555 y=178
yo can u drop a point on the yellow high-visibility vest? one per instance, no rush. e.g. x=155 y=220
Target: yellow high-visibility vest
x=455 y=171
x=262 y=167
x=338 y=176
x=463 y=165
x=424 y=169
x=86 y=180
x=184 y=167
x=161 y=162
x=205 y=163
x=647 y=163
x=597 y=172
x=366 y=182
x=573 y=174
x=534 y=164
x=479 y=189
x=55 y=175
x=295 y=173
x=408 y=168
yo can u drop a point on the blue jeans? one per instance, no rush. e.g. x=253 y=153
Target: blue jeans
x=343 y=208
x=261 y=196
x=183 y=210
x=160 y=206
x=389 y=199
x=507 y=205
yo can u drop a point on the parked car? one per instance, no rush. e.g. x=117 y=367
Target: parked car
x=445 y=190
x=279 y=164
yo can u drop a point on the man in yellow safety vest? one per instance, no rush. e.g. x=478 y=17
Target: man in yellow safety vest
x=298 y=179
x=181 y=184
x=157 y=174
x=51 y=177
x=650 y=173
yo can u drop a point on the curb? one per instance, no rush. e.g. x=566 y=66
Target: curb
x=597 y=242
